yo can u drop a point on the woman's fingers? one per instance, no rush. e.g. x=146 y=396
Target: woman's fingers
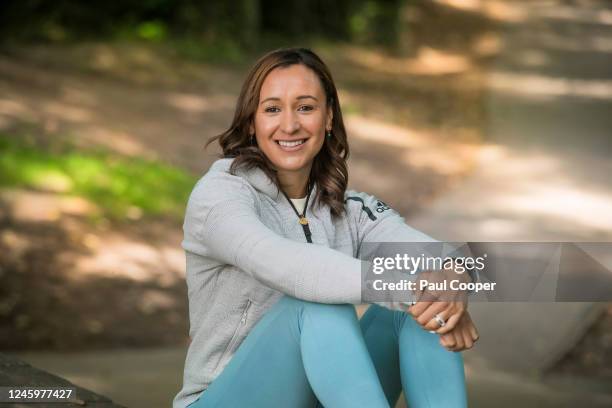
x=470 y=326
x=425 y=314
x=462 y=337
x=472 y=329
x=452 y=342
x=452 y=315
x=467 y=338
x=474 y=333
x=426 y=319
x=451 y=321
x=448 y=340
x=417 y=309
x=459 y=342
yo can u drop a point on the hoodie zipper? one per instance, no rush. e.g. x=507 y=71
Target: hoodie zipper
x=245 y=312
x=234 y=338
x=302 y=217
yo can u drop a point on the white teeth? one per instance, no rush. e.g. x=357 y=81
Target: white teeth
x=291 y=144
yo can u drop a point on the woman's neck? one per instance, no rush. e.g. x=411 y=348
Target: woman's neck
x=294 y=183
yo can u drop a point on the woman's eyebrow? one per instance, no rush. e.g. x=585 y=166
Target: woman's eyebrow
x=274 y=98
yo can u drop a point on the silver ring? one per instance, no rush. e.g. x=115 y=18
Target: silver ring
x=439 y=320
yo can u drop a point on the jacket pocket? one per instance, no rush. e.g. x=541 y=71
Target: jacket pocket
x=238 y=331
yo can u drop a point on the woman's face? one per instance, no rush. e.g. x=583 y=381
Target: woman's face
x=291 y=118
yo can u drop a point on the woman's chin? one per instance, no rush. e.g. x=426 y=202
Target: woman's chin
x=292 y=164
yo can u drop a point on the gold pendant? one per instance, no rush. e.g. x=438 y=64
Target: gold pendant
x=303 y=221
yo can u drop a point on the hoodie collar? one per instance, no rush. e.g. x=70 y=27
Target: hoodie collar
x=257 y=179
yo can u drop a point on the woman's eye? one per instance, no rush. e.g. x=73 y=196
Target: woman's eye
x=274 y=109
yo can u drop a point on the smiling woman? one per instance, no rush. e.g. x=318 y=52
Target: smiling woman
x=290 y=123
x=272 y=287
x=290 y=97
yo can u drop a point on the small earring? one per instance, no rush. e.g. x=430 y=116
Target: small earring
x=329 y=134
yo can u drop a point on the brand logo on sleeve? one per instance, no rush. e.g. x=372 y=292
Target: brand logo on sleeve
x=381 y=206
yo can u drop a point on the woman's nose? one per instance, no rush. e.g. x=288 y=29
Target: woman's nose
x=289 y=123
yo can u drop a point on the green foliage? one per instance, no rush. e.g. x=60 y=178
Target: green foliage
x=118 y=185
x=225 y=50
x=360 y=22
x=202 y=28
x=152 y=30
x=375 y=22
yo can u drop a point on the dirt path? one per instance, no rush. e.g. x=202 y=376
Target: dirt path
x=159 y=372
x=545 y=177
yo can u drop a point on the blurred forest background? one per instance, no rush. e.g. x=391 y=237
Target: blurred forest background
x=105 y=108
x=224 y=31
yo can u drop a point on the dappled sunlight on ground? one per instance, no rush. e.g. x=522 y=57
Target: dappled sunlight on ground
x=14 y=107
x=140 y=65
x=190 y=107
x=594 y=43
x=587 y=208
x=542 y=86
x=63 y=111
x=188 y=103
x=530 y=195
x=503 y=11
x=35 y=206
x=118 y=141
x=70 y=285
x=577 y=15
x=513 y=12
x=545 y=176
x=447 y=106
x=79 y=95
x=543 y=185
x=117 y=255
x=428 y=62
x=487 y=44
x=418 y=149
x=113 y=111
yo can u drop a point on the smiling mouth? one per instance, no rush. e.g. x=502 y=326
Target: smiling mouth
x=293 y=143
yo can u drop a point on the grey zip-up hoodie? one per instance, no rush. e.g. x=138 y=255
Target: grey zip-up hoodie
x=245 y=248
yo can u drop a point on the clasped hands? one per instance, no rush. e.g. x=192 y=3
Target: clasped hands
x=445 y=311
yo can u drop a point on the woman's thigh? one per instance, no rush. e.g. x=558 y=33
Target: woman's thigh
x=296 y=347
x=267 y=369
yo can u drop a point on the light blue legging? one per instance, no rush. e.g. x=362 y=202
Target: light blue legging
x=305 y=354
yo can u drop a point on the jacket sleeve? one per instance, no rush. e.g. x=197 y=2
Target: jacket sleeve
x=221 y=222
x=375 y=222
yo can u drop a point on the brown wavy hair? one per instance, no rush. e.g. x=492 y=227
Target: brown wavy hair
x=329 y=170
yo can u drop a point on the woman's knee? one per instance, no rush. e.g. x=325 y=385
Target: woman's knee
x=318 y=310
x=340 y=310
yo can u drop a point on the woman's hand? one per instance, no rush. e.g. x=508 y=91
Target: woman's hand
x=425 y=312
x=462 y=337
x=439 y=310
